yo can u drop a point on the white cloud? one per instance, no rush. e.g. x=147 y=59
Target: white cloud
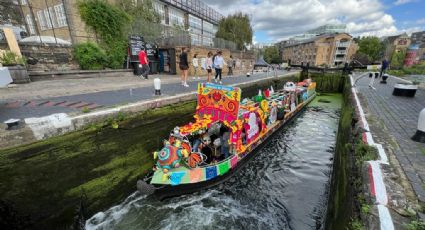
x=284 y=18
x=402 y=2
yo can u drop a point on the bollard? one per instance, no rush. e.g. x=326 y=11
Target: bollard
x=420 y=133
x=384 y=79
x=248 y=74
x=157 y=86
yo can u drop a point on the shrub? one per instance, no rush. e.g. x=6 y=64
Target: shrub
x=90 y=56
x=9 y=58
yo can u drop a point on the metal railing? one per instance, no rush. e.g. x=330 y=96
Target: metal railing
x=195 y=40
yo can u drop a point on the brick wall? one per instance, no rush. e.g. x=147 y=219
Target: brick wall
x=49 y=58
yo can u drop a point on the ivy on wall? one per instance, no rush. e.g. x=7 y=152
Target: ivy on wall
x=111 y=25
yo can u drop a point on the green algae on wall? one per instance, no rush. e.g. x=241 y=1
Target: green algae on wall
x=329 y=82
x=44 y=181
x=340 y=204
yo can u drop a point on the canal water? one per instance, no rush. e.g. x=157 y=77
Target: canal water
x=285 y=186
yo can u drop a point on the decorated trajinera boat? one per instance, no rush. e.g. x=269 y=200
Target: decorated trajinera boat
x=224 y=136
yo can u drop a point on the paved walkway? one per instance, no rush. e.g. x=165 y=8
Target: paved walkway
x=400 y=116
x=73 y=95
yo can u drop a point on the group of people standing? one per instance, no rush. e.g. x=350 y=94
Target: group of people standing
x=215 y=62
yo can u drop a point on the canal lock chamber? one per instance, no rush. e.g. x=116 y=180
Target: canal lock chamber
x=47 y=184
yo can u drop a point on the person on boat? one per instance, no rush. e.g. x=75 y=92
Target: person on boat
x=196 y=143
x=206 y=148
x=225 y=147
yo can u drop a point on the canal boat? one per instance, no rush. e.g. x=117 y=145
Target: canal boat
x=224 y=136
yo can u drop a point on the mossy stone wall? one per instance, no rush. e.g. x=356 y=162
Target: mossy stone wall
x=340 y=204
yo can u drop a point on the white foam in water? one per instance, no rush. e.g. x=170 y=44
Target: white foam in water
x=103 y=219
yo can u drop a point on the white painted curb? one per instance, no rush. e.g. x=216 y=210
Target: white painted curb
x=377 y=183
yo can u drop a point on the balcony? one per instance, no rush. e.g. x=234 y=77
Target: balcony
x=342 y=44
x=343 y=52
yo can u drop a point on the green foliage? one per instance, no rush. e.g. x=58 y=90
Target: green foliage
x=416 y=225
x=397 y=59
x=236 y=28
x=145 y=20
x=413 y=70
x=356 y=225
x=90 y=56
x=365 y=209
x=364 y=152
x=111 y=24
x=9 y=58
x=372 y=47
x=271 y=55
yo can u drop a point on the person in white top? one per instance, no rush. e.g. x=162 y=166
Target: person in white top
x=218 y=65
x=208 y=67
x=195 y=64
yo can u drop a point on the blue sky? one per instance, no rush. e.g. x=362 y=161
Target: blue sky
x=274 y=20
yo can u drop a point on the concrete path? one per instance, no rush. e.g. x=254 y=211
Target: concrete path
x=74 y=95
x=400 y=117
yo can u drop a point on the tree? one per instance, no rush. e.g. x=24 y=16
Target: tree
x=144 y=19
x=10 y=13
x=236 y=28
x=397 y=59
x=372 y=47
x=271 y=55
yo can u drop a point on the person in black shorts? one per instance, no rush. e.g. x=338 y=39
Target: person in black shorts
x=184 y=67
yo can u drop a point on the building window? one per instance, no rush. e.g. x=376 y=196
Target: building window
x=41 y=20
x=159 y=8
x=47 y=19
x=176 y=17
x=52 y=17
x=60 y=15
x=30 y=24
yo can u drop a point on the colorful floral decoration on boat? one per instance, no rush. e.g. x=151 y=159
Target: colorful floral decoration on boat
x=221 y=102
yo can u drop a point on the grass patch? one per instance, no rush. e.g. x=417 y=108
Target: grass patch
x=364 y=152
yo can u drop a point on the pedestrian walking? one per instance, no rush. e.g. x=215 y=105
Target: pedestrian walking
x=209 y=64
x=230 y=65
x=195 y=64
x=218 y=65
x=143 y=60
x=184 y=66
x=384 y=67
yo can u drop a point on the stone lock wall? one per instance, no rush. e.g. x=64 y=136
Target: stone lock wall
x=244 y=60
x=43 y=58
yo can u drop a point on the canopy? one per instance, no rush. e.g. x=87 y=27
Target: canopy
x=44 y=40
x=261 y=63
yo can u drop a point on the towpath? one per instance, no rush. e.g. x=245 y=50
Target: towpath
x=399 y=116
x=43 y=98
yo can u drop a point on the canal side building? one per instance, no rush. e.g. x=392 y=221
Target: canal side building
x=322 y=50
x=61 y=19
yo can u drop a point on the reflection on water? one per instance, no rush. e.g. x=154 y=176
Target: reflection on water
x=284 y=187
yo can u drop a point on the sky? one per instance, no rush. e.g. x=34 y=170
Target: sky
x=276 y=20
